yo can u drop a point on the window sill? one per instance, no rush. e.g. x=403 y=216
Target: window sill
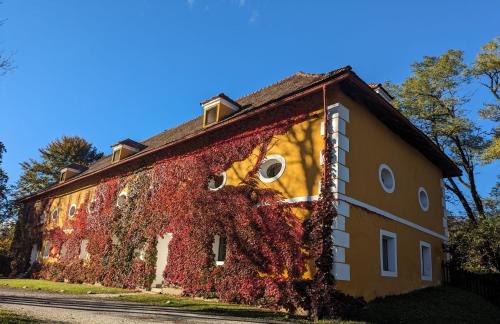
x=426 y=278
x=219 y=263
x=389 y=274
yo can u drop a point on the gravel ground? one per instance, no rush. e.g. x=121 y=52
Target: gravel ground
x=62 y=308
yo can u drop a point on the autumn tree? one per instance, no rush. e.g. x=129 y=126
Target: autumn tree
x=435 y=98
x=58 y=154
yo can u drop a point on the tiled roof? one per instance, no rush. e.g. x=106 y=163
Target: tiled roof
x=248 y=102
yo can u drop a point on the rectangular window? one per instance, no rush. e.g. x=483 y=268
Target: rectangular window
x=219 y=248
x=425 y=261
x=388 y=254
x=116 y=156
x=211 y=115
x=84 y=255
x=46 y=250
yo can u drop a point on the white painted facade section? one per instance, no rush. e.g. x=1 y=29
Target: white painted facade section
x=161 y=258
x=339 y=118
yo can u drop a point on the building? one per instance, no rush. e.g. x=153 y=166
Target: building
x=204 y=184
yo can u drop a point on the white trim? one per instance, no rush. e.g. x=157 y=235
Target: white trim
x=391 y=216
x=125 y=146
x=422 y=276
x=340 y=238
x=383 y=272
x=340 y=141
x=224 y=178
x=341 y=271
x=339 y=223
x=69 y=211
x=422 y=190
x=342 y=111
x=339 y=254
x=276 y=177
x=70 y=169
x=345 y=200
x=218 y=100
x=380 y=169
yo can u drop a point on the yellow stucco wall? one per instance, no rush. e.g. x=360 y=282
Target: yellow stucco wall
x=371 y=143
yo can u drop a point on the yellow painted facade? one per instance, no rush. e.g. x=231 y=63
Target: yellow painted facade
x=371 y=144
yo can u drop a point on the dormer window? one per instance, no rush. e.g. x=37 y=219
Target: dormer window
x=211 y=115
x=125 y=149
x=70 y=171
x=63 y=176
x=218 y=108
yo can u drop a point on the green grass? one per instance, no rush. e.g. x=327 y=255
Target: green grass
x=66 y=288
x=11 y=317
x=431 y=305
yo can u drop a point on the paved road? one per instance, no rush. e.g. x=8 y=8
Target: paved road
x=62 y=308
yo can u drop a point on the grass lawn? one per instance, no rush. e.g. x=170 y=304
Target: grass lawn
x=10 y=317
x=431 y=305
x=67 y=288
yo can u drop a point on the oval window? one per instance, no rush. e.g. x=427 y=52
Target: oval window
x=122 y=200
x=423 y=199
x=72 y=211
x=272 y=168
x=386 y=178
x=55 y=214
x=217 y=181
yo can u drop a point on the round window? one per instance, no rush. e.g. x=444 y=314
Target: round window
x=55 y=214
x=272 y=168
x=217 y=181
x=72 y=211
x=122 y=200
x=423 y=199
x=91 y=207
x=386 y=178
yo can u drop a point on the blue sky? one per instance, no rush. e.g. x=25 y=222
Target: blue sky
x=107 y=70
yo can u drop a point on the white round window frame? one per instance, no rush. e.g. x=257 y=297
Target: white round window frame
x=56 y=211
x=420 y=190
x=276 y=177
x=386 y=189
x=224 y=178
x=69 y=211
x=118 y=200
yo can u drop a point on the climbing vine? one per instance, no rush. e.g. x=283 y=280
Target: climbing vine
x=268 y=246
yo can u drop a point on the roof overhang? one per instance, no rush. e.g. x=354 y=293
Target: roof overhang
x=350 y=83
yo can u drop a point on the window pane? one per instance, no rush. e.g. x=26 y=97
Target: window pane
x=385 y=253
x=222 y=249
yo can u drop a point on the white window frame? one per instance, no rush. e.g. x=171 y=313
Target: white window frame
x=422 y=275
x=215 y=249
x=276 y=177
x=224 y=178
x=123 y=193
x=46 y=245
x=84 y=254
x=420 y=190
x=386 y=167
x=42 y=218
x=52 y=215
x=393 y=236
x=69 y=211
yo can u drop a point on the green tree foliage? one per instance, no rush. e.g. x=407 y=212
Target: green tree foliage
x=58 y=154
x=475 y=247
x=435 y=99
x=486 y=68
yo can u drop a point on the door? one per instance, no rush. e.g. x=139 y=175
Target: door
x=161 y=258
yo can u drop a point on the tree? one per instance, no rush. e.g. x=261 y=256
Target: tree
x=38 y=175
x=4 y=189
x=434 y=98
x=486 y=68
